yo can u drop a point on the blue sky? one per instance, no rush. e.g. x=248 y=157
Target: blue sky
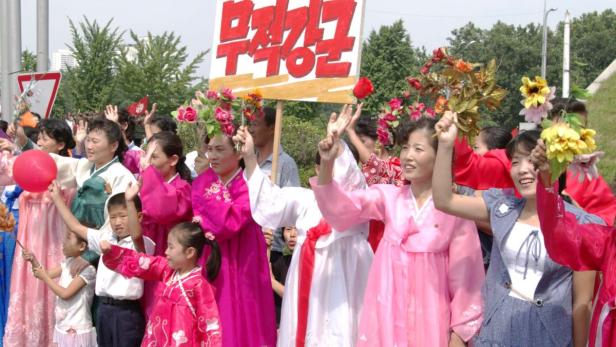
x=428 y=22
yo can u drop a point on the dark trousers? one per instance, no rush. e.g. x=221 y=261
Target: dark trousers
x=120 y=324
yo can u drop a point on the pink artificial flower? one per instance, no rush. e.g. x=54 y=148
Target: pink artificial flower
x=181 y=111
x=389 y=117
x=222 y=115
x=415 y=115
x=190 y=115
x=420 y=106
x=395 y=104
x=383 y=136
x=212 y=95
x=430 y=112
x=227 y=94
x=414 y=83
x=537 y=114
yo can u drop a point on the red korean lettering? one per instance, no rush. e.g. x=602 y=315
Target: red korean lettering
x=295 y=22
x=313 y=33
x=300 y=62
x=277 y=28
x=272 y=55
x=342 y=12
x=235 y=11
x=232 y=51
x=261 y=21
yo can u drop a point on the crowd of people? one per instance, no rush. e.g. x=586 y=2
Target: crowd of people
x=446 y=244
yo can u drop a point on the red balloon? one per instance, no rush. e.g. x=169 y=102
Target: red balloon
x=34 y=170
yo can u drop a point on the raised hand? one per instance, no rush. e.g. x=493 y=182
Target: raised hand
x=111 y=113
x=55 y=191
x=133 y=190
x=339 y=122
x=105 y=246
x=446 y=129
x=145 y=160
x=353 y=122
x=244 y=138
x=149 y=114
x=329 y=147
x=81 y=131
x=539 y=158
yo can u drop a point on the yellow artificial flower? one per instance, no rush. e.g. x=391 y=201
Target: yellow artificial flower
x=535 y=92
x=562 y=142
x=588 y=137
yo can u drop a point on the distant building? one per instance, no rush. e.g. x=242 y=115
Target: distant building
x=61 y=59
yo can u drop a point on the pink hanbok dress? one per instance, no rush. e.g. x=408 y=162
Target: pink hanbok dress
x=31 y=317
x=243 y=286
x=427 y=273
x=165 y=204
x=185 y=312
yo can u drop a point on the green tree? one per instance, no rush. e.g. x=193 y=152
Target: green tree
x=159 y=68
x=28 y=61
x=300 y=139
x=90 y=85
x=387 y=59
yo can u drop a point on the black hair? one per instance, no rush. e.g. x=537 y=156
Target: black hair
x=366 y=126
x=171 y=145
x=191 y=235
x=113 y=133
x=317 y=158
x=495 y=137
x=525 y=141
x=31 y=133
x=120 y=200
x=4 y=125
x=566 y=105
x=124 y=118
x=269 y=115
x=60 y=132
x=409 y=127
x=164 y=123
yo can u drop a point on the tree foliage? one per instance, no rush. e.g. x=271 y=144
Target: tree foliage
x=28 y=61
x=387 y=59
x=91 y=84
x=159 y=68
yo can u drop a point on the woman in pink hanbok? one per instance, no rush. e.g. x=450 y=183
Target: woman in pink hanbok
x=424 y=285
x=185 y=311
x=243 y=288
x=165 y=195
x=41 y=230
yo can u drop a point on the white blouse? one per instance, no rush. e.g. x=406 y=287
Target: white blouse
x=524 y=255
x=75 y=313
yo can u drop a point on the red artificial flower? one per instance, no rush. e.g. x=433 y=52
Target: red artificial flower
x=406 y=94
x=438 y=54
x=389 y=117
x=415 y=115
x=222 y=115
x=426 y=68
x=414 y=83
x=363 y=88
x=383 y=136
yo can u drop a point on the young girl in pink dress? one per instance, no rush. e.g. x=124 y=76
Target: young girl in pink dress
x=243 y=289
x=424 y=285
x=165 y=195
x=185 y=311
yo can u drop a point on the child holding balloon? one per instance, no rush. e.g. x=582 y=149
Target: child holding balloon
x=41 y=231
